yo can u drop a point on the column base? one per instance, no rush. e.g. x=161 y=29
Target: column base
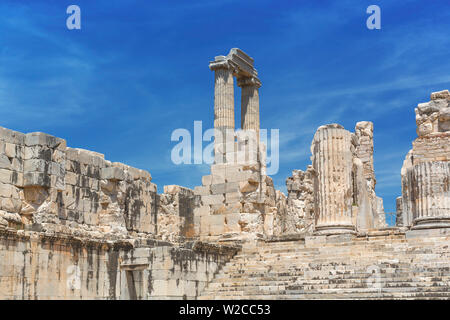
x=334 y=229
x=431 y=223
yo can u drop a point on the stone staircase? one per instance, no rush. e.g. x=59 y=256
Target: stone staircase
x=379 y=267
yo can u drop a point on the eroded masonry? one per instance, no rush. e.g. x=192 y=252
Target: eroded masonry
x=76 y=226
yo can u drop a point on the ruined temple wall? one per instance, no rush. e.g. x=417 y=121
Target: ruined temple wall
x=315 y=191
x=237 y=200
x=42 y=181
x=295 y=212
x=364 y=150
x=35 y=266
x=38 y=266
x=177 y=273
x=175 y=217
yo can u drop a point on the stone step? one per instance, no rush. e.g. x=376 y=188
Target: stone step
x=430 y=286
x=322 y=295
x=383 y=268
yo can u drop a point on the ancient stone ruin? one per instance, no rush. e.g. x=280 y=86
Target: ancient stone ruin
x=76 y=226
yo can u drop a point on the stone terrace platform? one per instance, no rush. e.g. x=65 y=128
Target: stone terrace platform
x=387 y=264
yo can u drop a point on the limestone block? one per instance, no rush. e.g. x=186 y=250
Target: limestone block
x=37 y=165
x=43 y=139
x=268 y=222
x=232 y=197
x=218 y=208
x=238 y=176
x=17 y=165
x=251 y=222
x=6 y=190
x=11 y=136
x=217 y=179
x=444 y=94
x=36 y=179
x=11 y=205
x=4 y=162
x=222 y=188
x=71 y=178
x=202 y=210
x=213 y=199
x=202 y=190
x=172 y=189
x=10 y=150
x=235 y=207
x=217 y=229
x=232 y=222
x=152 y=187
x=216 y=220
x=112 y=173
x=218 y=188
x=255 y=179
x=207 y=180
x=246 y=187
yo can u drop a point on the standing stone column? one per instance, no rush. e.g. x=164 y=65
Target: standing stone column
x=249 y=103
x=223 y=94
x=333 y=161
x=223 y=109
x=431 y=194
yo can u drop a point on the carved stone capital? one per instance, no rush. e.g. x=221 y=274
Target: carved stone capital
x=248 y=81
x=219 y=64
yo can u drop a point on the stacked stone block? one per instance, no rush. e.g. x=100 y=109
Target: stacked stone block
x=12 y=149
x=175 y=218
x=298 y=216
x=234 y=199
x=43 y=183
x=364 y=150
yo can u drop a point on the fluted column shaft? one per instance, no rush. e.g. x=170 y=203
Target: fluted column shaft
x=223 y=109
x=333 y=161
x=223 y=98
x=431 y=194
x=249 y=103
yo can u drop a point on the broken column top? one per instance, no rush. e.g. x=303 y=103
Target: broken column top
x=331 y=125
x=433 y=117
x=444 y=94
x=238 y=60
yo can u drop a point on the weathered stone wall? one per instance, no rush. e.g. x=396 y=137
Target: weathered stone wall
x=44 y=182
x=237 y=200
x=168 y=272
x=72 y=225
x=175 y=219
x=36 y=265
x=298 y=213
x=364 y=150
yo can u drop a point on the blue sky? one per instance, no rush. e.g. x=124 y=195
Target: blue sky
x=137 y=70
